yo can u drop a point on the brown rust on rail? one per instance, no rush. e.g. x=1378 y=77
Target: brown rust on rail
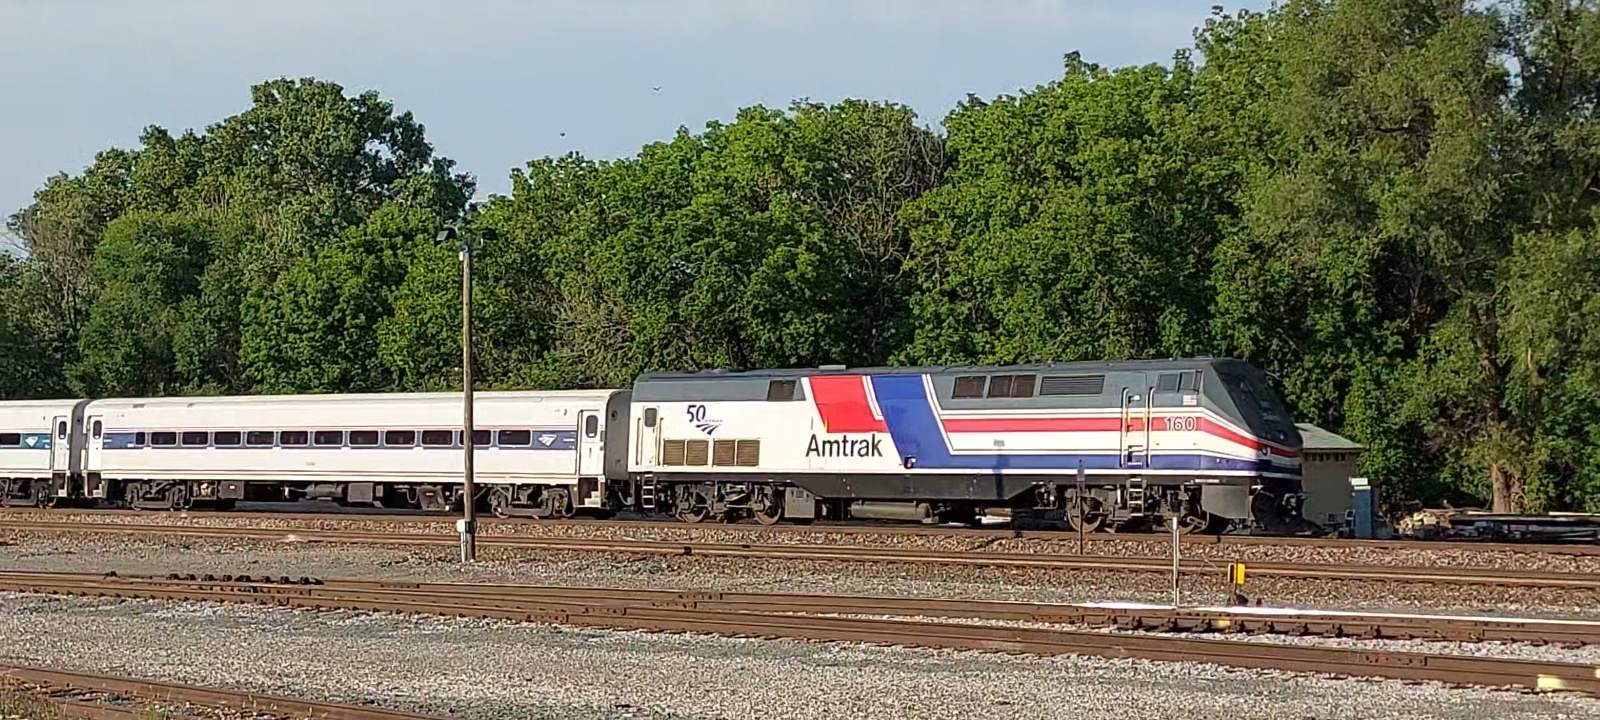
x=816 y=618
x=854 y=553
x=165 y=692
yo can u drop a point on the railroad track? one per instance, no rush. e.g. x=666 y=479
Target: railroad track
x=849 y=553
x=833 y=619
x=856 y=528
x=64 y=690
x=1244 y=620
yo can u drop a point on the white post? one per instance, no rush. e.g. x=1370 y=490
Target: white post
x=1177 y=592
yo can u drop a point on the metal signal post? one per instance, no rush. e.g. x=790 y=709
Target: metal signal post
x=467 y=526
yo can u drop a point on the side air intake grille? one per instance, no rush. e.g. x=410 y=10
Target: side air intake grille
x=1072 y=385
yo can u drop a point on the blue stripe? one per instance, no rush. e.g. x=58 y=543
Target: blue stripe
x=916 y=433
x=541 y=439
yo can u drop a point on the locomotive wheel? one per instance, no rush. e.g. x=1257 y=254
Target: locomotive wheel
x=770 y=513
x=1088 y=515
x=1195 y=522
x=697 y=509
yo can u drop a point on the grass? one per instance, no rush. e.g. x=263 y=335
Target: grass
x=16 y=704
x=19 y=704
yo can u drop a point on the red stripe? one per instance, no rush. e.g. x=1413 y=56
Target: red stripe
x=842 y=402
x=999 y=424
x=1211 y=426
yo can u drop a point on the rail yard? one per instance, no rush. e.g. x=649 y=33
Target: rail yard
x=1477 y=623
x=1251 y=378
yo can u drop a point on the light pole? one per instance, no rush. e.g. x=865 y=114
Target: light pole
x=468 y=525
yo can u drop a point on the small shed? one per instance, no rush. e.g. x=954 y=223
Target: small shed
x=1327 y=462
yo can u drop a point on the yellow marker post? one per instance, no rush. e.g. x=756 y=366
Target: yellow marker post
x=1236 y=583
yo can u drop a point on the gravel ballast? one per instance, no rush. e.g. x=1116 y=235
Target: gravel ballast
x=142 y=554
x=1419 y=554
x=486 y=669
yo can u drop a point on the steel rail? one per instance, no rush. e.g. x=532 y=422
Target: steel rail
x=847 y=528
x=854 y=553
x=1460 y=670
x=1199 y=620
x=157 y=691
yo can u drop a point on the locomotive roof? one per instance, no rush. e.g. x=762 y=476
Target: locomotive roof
x=1069 y=367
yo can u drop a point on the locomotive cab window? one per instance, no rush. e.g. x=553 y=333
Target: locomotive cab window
x=1187 y=381
x=649 y=417
x=591 y=426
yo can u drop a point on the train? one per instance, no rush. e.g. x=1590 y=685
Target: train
x=1206 y=442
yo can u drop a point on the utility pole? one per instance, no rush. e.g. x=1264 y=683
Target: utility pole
x=1080 y=506
x=468 y=525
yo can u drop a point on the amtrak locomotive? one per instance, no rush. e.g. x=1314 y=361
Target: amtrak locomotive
x=1094 y=444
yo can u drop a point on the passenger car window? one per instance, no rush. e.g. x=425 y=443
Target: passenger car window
x=438 y=438
x=10 y=439
x=400 y=438
x=294 y=438
x=259 y=438
x=196 y=438
x=226 y=438
x=98 y=427
x=363 y=438
x=481 y=438
x=163 y=439
x=516 y=438
x=329 y=438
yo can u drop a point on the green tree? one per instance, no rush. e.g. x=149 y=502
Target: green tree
x=1078 y=223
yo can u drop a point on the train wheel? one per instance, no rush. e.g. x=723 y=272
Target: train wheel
x=1085 y=514
x=131 y=494
x=693 y=508
x=1196 y=522
x=560 y=502
x=42 y=495
x=770 y=513
x=500 y=502
x=178 y=497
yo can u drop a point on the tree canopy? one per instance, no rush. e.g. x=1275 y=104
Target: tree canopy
x=1391 y=205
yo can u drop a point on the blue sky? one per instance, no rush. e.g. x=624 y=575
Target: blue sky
x=498 y=82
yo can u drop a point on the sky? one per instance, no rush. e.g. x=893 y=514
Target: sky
x=498 y=83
